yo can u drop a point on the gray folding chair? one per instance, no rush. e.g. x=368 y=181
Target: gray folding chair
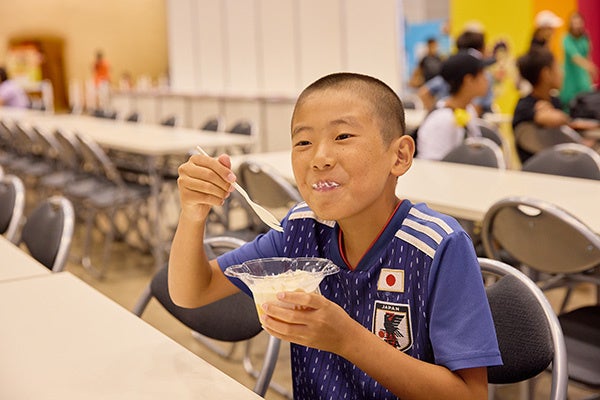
x=215 y=124
x=105 y=192
x=533 y=138
x=567 y=159
x=243 y=127
x=529 y=334
x=266 y=187
x=12 y=204
x=559 y=251
x=232 y=319
x=48 y=232
x=169 y=121
x=478 y=151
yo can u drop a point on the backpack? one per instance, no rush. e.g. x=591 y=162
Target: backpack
x=585 y=105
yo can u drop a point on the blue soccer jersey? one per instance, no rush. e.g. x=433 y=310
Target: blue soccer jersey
x=418 y=288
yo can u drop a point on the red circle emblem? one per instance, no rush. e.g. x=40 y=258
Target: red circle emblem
x=390 y=280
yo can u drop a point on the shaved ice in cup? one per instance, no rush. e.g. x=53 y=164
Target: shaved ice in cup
x=266 y=277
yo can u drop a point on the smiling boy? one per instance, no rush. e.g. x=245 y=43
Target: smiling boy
x=407 y=315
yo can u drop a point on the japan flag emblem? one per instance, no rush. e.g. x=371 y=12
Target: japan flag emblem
x=391 y=280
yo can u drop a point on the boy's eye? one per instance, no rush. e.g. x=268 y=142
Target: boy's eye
x=343 y=136
x=302 y=143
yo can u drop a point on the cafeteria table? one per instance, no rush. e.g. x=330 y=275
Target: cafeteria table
x=17 y=264
x=62 y=339
x=467 y=191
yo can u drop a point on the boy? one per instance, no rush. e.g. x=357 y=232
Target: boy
x=447 y=126
x=540 y=69
x=407 y=315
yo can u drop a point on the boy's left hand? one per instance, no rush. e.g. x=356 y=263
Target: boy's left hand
x=312 y=320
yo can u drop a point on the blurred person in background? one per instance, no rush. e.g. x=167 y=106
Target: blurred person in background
x=101 y=69
x=429 y=66
x=11 y=93
x=545 y=23
x=579 y=70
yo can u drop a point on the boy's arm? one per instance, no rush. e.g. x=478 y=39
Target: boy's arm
x=546 y=115
x=319 y=324
x=193 y=280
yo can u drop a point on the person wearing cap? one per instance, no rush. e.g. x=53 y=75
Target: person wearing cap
x=545 y=23
x=436 y=89
x=11 y=93
x=579 y=70
x=447 y=126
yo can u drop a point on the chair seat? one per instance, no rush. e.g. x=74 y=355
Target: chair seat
x=582 y=337
x=240 y=322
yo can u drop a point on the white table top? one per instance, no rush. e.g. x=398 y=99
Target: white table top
x=62 y=339
x=17 y=264
x=140 y=138
x=466 y=191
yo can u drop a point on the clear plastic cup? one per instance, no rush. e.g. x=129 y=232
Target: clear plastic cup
x=266 y=277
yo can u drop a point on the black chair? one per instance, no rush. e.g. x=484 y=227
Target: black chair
x=243 y=127
x=558 y=250
x=477 y=151
x=529 y=335
x=214 y=124
x=12 y=204
x=169 y=121
x=232 y=319
x=133 y=117
x=48 y=232
x=106 y=193
x=531 y=139
x=567 y=159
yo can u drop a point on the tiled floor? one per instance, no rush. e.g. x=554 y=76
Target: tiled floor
x=130 y=271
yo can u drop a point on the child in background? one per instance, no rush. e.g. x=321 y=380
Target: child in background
x=407 y=315
x=447 y=126
x=541 y=70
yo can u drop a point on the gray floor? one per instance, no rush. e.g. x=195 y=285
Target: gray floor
x=130 y=271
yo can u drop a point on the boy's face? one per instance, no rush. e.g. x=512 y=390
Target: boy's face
x=342 y=167
x=554 y=75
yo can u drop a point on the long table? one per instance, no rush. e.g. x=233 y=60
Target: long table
x=466 y=191
x=16 y=264
x=61 y=339
x=151 y=141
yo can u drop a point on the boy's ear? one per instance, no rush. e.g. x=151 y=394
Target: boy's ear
x=404 y=148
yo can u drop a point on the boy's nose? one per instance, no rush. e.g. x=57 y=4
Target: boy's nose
x=322 y=157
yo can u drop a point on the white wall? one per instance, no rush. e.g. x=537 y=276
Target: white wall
x=277 y=47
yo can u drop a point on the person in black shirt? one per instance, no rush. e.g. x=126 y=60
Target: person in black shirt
x=539 y=67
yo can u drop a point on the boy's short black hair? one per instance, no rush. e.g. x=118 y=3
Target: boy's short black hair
x=471 y=40
x=431 y=40
x=533 y=62
x=387 y=106
x=456 y=67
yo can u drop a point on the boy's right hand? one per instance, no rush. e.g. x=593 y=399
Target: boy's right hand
x=204 y=182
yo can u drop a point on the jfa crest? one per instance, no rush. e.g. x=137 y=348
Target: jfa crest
x=391 y=322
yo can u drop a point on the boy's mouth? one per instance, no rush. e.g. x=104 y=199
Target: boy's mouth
x=324 y=185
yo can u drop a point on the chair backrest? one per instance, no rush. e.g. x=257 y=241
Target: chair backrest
x=567 y=159
x=533 y=138
x=477 y=151
x=133 y=117
x=539 y=235
x=489 y=131
x=49 y=146
x=98 y=160
x=214 y=124
x=12 y=204
x=70 y=154
x=169 y=121
x=231 y=319
x=529 y=334
x=48 y=232
x=267 y=187
x=242 y=127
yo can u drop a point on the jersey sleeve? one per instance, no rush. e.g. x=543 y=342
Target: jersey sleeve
x=462 y=331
